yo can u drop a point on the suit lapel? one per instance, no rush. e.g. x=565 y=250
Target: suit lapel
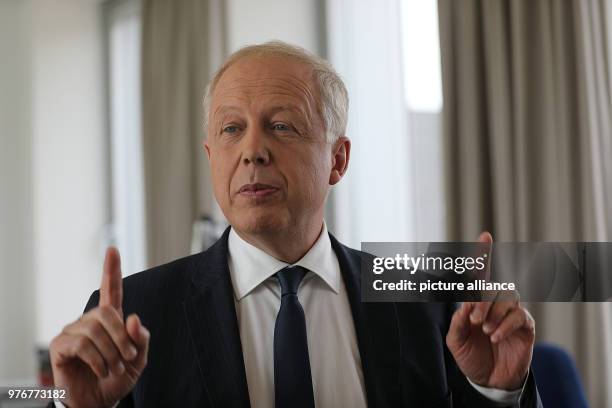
x=211 y=317
x=377 y=334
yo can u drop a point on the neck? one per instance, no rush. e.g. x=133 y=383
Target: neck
x=287 y=246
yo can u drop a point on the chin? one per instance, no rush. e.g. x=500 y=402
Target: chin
x=260 y=222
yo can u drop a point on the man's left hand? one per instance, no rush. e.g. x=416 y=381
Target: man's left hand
x=492 y=342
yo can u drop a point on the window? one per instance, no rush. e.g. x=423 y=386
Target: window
x=127 y=230
x=388 y=55
x=421 y=55
x=423 y=99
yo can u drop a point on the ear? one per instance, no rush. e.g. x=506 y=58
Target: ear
x=341 y=151
x=207 y=148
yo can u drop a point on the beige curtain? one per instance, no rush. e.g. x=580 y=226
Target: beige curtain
x=182 y=44
x=527 y=128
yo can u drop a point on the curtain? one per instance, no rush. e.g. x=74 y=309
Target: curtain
x=526 y=123
x=182 y=44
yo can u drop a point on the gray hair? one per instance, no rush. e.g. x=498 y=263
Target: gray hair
x=333 y=103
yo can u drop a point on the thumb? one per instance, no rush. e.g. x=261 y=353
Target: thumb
x=140 y=336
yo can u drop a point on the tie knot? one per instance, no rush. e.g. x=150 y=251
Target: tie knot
x=290 y=278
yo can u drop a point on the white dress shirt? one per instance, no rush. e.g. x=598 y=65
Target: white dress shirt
x=337 y=376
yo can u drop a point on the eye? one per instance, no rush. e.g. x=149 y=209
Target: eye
x=230 y=129
x=282 y=127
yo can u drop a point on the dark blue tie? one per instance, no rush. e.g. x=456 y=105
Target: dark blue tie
x=292 y=378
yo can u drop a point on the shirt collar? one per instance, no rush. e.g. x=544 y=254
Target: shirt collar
x=250 y=266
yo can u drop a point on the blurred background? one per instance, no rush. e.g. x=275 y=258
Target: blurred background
x=465 y=115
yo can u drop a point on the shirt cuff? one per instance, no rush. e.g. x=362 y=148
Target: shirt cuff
x=499 y=395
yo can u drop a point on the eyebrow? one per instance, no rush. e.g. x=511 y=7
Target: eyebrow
x=283 y=108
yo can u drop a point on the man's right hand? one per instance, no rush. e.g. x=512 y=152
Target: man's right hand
x=99 y=358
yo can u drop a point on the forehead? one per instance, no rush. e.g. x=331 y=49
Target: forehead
x=262 y=78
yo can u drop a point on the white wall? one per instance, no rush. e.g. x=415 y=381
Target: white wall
x=17 y=322
x=52 y=172
x=427 y=157
x=68 y=158
x=294 y=21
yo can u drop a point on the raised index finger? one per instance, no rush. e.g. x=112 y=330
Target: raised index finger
x=111 y=289
x=486 y=238
x=481 y=309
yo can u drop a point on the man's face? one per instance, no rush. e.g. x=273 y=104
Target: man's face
x=270 y=163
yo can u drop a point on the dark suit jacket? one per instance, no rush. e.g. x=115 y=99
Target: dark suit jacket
x=195 y=356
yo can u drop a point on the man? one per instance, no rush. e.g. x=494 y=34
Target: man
x=271 y=314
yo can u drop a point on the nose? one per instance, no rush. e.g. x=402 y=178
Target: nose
x=255 y=150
